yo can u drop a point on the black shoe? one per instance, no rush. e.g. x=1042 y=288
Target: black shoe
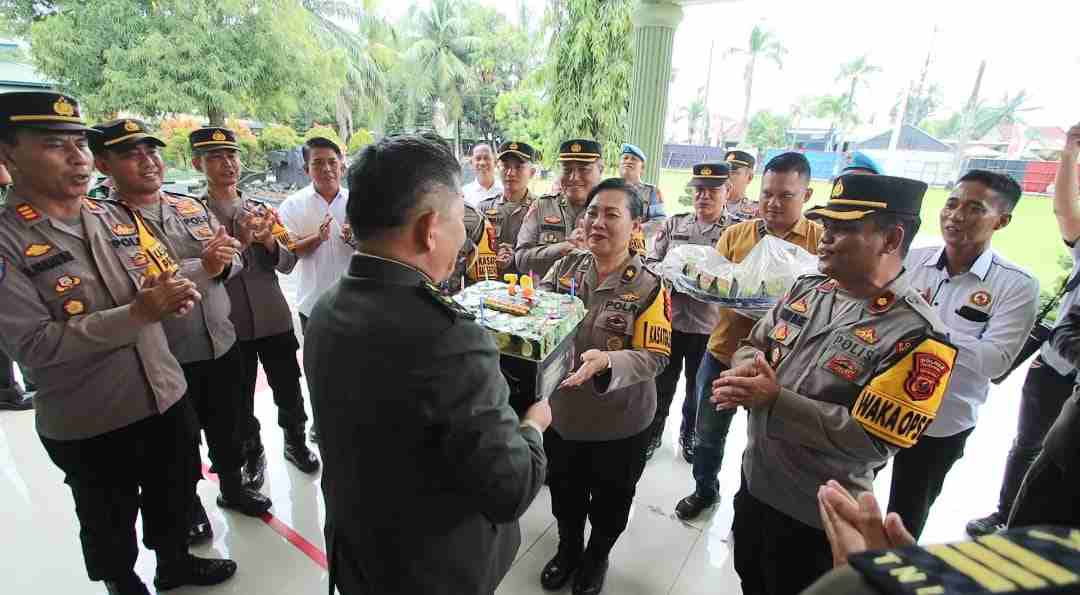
x=691 y=506
x=194 y=571
x=130 y=585
x=14 y=399
x=313 y=434
x=298 y=453
x=236 y=496
x=686 y=444
x=558 y=570
x=987 y=525
x=200 y=530
x=654 y=444
x=254 y=469
x=590 y=579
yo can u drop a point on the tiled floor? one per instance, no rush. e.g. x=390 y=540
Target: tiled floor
x=657 y=555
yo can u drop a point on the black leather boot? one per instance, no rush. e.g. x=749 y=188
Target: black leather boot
x=692 y=506
x=254 y=463
x=590 y=578
x=189 y=570
x=236 y=496
x=298 y=453
x=200 y=530
x=128 y=585
x=558 y=570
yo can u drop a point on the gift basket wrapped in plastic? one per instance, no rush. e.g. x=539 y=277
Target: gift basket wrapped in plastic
x=751 y=287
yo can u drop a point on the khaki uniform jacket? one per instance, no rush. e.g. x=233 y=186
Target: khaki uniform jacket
x=506 y=217
x=859 y=380
x=687 y=314
x=206 y=333
x=66 y=315
x=548 y=222
x=258 y=307
x=628 y=315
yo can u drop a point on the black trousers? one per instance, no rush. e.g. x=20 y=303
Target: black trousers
x=1044 y=392
x=278 y=356
x=686 y=349
x=216 y=390
x=1050 y=495
x=151 y=464
x=918 y=475
x=774 y=553
x=594 y=480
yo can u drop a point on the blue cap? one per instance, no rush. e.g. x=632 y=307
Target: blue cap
x=861 y=161
x=628 y=149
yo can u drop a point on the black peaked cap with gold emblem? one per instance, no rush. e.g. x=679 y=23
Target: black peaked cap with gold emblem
x=121 y=133
x=740 y=159
x=709 y=175
x=580 y=149
x=855 y=196
x=45 y=110
x=524 y=151
x=212 y=137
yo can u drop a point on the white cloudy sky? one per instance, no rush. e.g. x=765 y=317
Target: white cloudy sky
x=1030 y=45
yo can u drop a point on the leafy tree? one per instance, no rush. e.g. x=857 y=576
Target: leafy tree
x=277 y=137
x=196 y=56
x=174 y=131
x=767 y=130
x=587 y=73
x=763 y=45
x=326 y=132
x=922 y=104
x=855 y=73
x=835 y=108
x=520 y=116
x=695 y=113
x=360 y=139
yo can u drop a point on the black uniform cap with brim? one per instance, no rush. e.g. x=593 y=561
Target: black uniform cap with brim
x=709 y=175
x=580 y=149
x=41 y=110
x=121 y=134
x=855 y=196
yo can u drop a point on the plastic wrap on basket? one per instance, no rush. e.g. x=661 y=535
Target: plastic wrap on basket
x=752 y=286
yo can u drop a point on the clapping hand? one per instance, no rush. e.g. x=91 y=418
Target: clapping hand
x=505 y=256
x=219 y=252
x=164 y=295
x=324 y=229
x=750 y=385
x=855 y=525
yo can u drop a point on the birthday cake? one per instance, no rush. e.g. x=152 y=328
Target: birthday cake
x=526 y=328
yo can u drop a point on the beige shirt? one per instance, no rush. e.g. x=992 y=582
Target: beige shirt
x=66 y=290
x=622 y=402
x=506 y=217
x=687 y=314
x=548 y=222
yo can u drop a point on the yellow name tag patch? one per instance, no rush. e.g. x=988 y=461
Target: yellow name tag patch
x=900 y=403
x=652 y=329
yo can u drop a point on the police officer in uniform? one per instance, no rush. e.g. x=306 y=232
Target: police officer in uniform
x=205 y=341
x=850 y=366
x=506 y=212
x=550 y=230
x=740 y=207
x=477 y=259
x=259 y=312
x=691 y=321
x=631 y=166
x=84 y=289
x=602 y=413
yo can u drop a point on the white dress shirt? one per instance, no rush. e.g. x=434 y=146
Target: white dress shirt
x=1048 y=353
x=475 y=193
x=989 y=311
x=303 y=213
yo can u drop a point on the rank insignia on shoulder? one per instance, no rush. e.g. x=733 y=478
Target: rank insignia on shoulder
x=28 y=213
x=799 y=306
x=74 y=307
x=34 y=250
x=827 y=286
x=981 y=299
x=447 y=302
x=882 y=303
x=92 y=205
x=780 y=333
x=628 y=275
x=867 y=334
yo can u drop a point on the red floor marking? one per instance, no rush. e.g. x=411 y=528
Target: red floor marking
x=297 y=540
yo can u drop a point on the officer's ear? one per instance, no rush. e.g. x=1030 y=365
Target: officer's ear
x=809 y=194
x=894 y=239
x=102 y=165
x=196 y=162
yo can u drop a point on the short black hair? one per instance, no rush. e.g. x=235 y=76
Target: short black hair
x=390 y=178
x=885 y=220
x=1006 y=189
x=634 y=204
x=789 y=162
x=319 y=142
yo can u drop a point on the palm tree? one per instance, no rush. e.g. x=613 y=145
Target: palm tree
x=369 y=51
x=439 y=58
x=763 y=45
x=694 y=113
x=856 y=73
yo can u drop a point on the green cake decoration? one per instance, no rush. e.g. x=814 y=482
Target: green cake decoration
x=534 y=329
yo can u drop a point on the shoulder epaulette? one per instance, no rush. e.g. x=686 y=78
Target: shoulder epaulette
x=453 y=308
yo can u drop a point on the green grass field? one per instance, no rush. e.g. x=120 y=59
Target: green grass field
x=1032 y=239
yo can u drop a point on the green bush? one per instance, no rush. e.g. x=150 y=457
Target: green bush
x=360 y=139
x=325 y=132
x=277 y=137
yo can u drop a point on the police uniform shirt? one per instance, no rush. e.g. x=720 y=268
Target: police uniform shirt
x=259 y=308
x=303 y=213
x=859 y=380
x=687 y=314
x=66 y=290
x=742 y=210
x=548 y=223
x=184 y=225
x=989 y=311
x=507 y=216
x=1048 y=353
x=628 y=316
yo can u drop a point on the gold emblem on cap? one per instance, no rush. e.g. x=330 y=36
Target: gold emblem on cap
x=513 y=146
x=63 y=108
x=837 y=189
x=575 y=148
x=706 y=171
x=218 y=135
x=131 y=126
